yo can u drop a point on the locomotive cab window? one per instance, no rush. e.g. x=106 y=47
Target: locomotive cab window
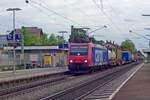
x=79 y=50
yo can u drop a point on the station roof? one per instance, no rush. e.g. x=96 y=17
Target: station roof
x=35 y=48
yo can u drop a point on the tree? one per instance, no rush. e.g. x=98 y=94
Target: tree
x=128 y=45
x=60 y=39
x=44 y=39
x=30 y=39
x=52 y=40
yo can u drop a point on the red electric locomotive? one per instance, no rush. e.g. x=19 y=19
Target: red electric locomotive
x=85 y=57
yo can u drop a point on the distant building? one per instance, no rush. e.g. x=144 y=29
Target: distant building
x=32 y=30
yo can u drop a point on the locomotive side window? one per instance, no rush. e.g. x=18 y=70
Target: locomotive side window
x=79 y=50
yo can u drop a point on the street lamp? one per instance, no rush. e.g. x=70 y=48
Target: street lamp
x=14 y=53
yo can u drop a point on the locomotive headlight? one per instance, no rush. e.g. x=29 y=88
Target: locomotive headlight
x=85 y=61
x=70 y=61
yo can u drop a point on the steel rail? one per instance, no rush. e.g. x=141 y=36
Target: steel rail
x=80 y=90
x=4 y=93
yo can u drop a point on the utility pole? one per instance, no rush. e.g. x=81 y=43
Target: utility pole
x=22 y=51
x=62 y=32
x=14 y=40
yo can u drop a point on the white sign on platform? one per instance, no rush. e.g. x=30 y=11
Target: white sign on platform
x=33 y=57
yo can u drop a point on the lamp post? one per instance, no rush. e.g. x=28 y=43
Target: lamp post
x=14 y=51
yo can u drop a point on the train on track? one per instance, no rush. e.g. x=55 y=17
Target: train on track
x=88 y=57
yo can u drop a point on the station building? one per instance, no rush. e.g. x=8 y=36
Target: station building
x=35 y=56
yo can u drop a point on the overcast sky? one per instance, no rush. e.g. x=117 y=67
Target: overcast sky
x=58 y=15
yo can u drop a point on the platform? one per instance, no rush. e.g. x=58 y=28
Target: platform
x=138 y=87
x=9 y=75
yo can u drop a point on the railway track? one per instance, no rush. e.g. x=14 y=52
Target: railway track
x=59 y=79
x=35 y=84
x=111 y=88
x=79 y=92
x=20 y=81
x=23 y=85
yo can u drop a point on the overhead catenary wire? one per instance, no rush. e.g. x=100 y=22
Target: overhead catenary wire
x=116 y=14
x=54 y=12
x=45 y=5
x=139 y=35
x=79 y=10
x=3 y=27
x=141 y=44
x=1 y=12
x=37 y=5
x=114 y=11
x=101 y=1
x=85 y=15
x=99 y=6
x=102 y=11
x=46 y=14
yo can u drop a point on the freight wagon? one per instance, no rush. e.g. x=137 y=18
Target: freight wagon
x=114 y=53
x=126 y=57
